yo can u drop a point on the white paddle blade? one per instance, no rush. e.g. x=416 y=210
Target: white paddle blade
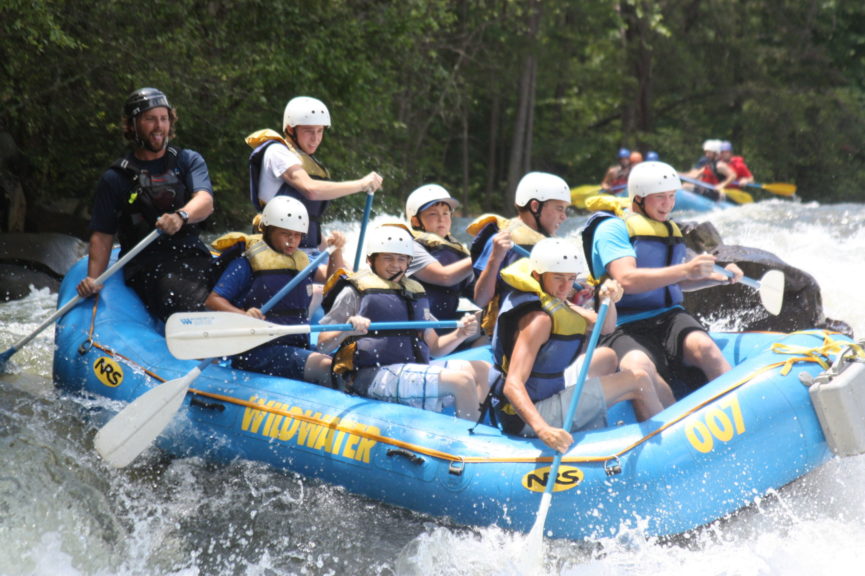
x=196 y=335
x=772 y=291
x=135 y=427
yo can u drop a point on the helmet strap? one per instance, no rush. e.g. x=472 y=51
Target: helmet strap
x=537 y=216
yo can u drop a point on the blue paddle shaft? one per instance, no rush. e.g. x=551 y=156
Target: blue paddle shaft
x=310 y=268
x=366 y=210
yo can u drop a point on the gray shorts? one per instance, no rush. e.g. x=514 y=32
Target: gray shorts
x=591 y=411
x=410 y=384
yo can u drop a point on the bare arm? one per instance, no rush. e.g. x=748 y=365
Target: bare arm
x=99 y=253
x=485 y=287
x=326 y=190
x=447 y=275
x=534 y=330
x=694 y=274
x=446 y=343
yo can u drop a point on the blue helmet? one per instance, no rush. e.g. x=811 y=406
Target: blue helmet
x=652 y=156
x=624 y=153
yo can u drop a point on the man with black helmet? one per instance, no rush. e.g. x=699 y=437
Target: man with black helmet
x=155 y=185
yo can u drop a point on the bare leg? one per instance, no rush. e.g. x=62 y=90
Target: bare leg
x=636 y=386
x=317 y=369
x=461 y=385
x=702 y=352
x=638 y=361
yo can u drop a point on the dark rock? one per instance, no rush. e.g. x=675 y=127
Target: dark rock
x=739 y=307
x=40 y=260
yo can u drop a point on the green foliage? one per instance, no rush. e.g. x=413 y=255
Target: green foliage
x=428 y=90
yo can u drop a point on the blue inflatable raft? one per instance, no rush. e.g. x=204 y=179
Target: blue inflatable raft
x=751 y=431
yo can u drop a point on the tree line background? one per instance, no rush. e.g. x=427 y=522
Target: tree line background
x=469 y=94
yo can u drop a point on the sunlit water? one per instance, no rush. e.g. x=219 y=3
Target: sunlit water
x=62 y=511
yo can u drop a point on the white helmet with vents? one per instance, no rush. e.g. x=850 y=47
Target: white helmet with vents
x=541 y=186
x=305 y=111
x=559 y=255
x=286 y=212
x=390 y=238
x=648 y=178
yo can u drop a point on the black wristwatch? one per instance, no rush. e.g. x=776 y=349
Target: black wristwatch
x=183 y=215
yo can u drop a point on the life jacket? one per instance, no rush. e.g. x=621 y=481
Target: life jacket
x=737 y=163
x=381 y=301
x=554 y=356
x=271 y=271
x=151 y=196
x=444 y=300
x=260 y=141
x=483 y=229
x=657 y=245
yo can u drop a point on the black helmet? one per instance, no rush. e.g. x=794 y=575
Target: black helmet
x=144 y=99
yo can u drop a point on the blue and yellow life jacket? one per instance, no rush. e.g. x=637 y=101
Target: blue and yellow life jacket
x=260 y=141
x=444 y=300
x=483 y=229
x=381 y=301
x=271 y=271
x=554 y=356
x=656 y=244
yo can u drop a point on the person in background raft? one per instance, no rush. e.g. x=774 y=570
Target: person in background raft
x=712 y=170
x=155 y=185
x=394 y=365
x=616 y=177
x=645 y=252
x=536 y=344
x=737 y=164
x=541 y=201
x=440 y=263
x=287 y=166
x=256 y=267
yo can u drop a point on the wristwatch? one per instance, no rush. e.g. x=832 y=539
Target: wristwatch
x=183 y=215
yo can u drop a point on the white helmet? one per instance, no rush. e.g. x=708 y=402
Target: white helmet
x=286 y=212
x=556 y=255
x=425 y=196
x=712 y=146
x=305 y=111
x=652 y=178
x=541 y=186
x=392 y=238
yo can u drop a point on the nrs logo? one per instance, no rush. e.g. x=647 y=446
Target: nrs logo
x=108 y=371
x=568 y=477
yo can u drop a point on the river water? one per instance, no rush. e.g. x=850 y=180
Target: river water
x=62 y=511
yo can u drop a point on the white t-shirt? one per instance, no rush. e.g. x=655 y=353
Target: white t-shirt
x=277 y=159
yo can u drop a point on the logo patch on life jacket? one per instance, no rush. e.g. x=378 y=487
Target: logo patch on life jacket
x=108 y=371
x=568 y=477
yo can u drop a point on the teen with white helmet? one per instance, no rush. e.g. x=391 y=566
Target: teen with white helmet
x=441 y=263
x=542 y=202
x=537 y=343
x=645 y=252
x=255 y=268
x=395 y=365
x=285 y=165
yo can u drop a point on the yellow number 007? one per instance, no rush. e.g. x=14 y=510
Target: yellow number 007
x=716 y=423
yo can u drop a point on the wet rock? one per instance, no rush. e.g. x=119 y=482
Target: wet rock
x=739 y=306
x=38 y=260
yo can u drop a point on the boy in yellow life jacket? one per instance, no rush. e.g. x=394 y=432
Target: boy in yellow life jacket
x=268 y=262
x=287 y=166
x=645 y=252
x=538 y=338
x=441 y=263
x=542 y=202
x=392 y=365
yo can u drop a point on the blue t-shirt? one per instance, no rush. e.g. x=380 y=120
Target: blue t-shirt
x=236 y=280
x=612 y=242
x=114 y=186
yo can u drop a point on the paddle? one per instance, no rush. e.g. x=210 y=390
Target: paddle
x=135 y=427
x=144 y=243
x=204 y=334
x=366 y=210
x=580 y=194
x=536 y=534
x=770 y=287
x=779 y=188
x=732 y=194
